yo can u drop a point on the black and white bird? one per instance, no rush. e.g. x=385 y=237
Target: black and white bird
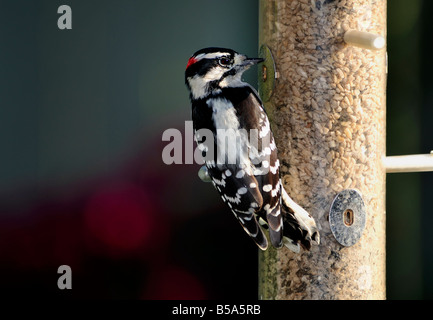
x=244 y=166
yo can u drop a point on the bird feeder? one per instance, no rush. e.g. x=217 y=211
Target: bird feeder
x=323 y=84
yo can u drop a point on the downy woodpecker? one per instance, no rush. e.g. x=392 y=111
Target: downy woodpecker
x=244 y=166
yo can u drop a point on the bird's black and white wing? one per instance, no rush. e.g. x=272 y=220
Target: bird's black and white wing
x=263 y=156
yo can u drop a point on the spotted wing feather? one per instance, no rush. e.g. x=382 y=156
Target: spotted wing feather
x=239 y=191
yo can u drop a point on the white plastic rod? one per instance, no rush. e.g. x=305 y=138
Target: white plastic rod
x=409 y=163
x=364 y=39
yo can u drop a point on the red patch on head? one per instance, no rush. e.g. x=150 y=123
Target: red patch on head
x=191 y=61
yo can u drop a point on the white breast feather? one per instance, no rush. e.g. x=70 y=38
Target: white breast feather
x=227 y=124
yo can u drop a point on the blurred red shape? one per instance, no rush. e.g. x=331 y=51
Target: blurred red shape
x=121 y=216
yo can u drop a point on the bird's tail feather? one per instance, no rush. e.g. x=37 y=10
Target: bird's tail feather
x=299 y=225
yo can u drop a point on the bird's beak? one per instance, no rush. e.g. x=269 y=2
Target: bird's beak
x=251 y=61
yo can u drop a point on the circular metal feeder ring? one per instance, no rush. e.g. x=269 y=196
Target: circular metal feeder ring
x=267 y=73
x=347 y=217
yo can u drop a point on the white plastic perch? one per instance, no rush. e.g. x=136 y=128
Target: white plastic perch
x=409 y=163
x=364 y=39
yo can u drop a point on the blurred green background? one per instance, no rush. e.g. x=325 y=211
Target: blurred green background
x=82 y=181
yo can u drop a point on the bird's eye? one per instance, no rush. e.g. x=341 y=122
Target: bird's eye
x=224 y=61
